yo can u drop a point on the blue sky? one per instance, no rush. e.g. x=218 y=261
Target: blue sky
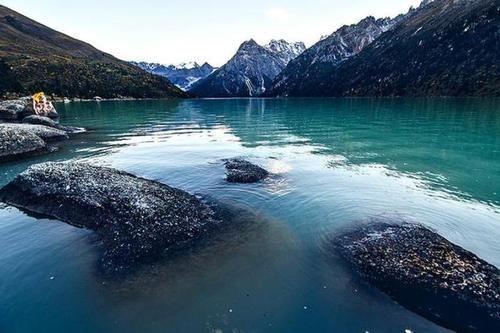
x=175 y=31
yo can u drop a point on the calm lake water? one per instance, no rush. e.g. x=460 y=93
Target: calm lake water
x=337 y=162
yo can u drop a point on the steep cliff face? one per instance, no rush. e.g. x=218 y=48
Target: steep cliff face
x=330 y=51
x=250 y=71
x=34 y=57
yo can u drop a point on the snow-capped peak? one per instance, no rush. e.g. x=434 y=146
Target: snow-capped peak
x=187 y=65
x=287 y=51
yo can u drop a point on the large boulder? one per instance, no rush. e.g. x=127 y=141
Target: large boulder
x=46 y=121
x=137 y=219
x=15 y=144
x=44 y=132
x=39 y=120
x=14 y=110
x=241 y=171
x=426 y=273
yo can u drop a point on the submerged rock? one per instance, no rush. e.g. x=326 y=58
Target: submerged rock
x=241 y=171
x=15 y=144
x=427 y=274
x=137 y=219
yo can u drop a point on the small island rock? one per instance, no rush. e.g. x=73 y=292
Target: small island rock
x=15 y=144
x=426 y=273
x=241 y=171
x=136 y=218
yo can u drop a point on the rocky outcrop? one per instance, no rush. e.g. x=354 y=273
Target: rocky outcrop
x=16 y=144
x=44 y=132
x=14 y=110
x=18 y=109
x=137 y=219
x=241 y=171
x=426 y=273
x=24 y=140
x=46 y=121
x=40 y=120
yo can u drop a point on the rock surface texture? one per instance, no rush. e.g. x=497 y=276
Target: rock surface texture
x=44 y=132
x=15 y=110
x=241 y=171
x=137 y=219
x=15 y=144
x=427 y=274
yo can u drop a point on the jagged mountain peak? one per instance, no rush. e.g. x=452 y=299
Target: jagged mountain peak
x=344 y=43
x=248 y=45
x=250 y=71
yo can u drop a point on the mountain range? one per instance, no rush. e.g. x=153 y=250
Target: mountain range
x=34 y=57
x=183 y=75
x=250 y=72
x=441 y=48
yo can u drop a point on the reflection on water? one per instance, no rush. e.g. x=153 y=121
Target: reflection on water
x=334 y=162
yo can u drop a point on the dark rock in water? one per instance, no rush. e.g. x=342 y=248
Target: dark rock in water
x=44 y=132
x=427 y=274
x=40 y=120
x=15 y=144
x=137 y=219
x=241 y=171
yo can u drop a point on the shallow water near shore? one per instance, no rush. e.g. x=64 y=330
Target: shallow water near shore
x=336 y=163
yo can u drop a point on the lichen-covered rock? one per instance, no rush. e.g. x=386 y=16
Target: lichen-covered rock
x=15 y=144
x=426 y=273
x=44 y=132
x=241 y=171
x=46 y=121
x=14 y=110
x=39 y=120
x=137 y=219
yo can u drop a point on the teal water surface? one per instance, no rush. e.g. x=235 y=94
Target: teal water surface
x=336 y=163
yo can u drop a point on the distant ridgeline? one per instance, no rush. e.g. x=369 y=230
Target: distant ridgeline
x=183 y=75
x=34 y=57
x=442 y=48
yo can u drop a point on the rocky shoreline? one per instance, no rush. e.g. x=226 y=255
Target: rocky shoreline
x=24 y=134
x=425 y=273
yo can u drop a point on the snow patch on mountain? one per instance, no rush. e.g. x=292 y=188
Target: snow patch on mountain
x=183 y=75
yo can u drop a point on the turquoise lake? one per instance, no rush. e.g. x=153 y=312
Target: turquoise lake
x=336 y=163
